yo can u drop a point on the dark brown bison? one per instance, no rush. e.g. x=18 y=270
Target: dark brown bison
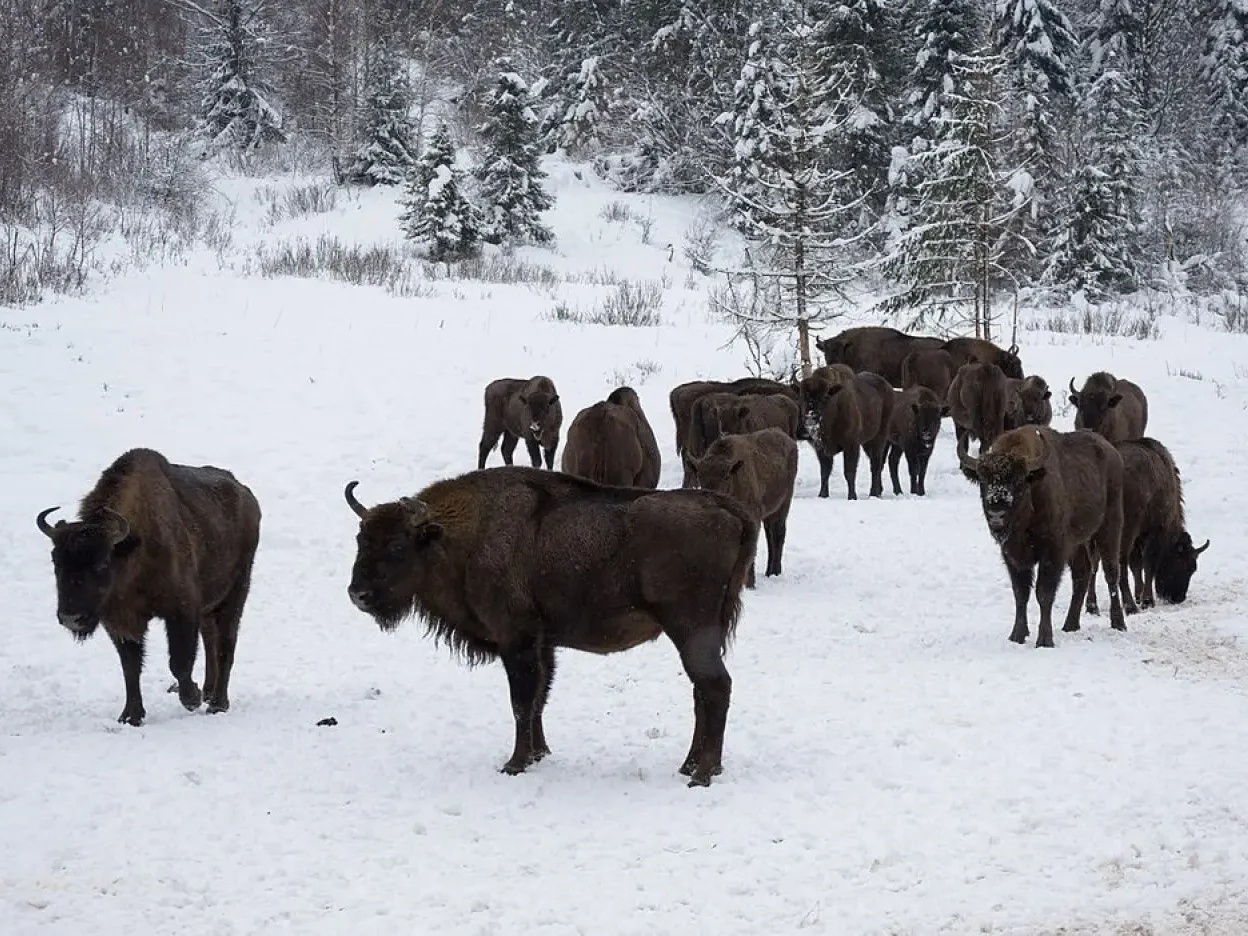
x=846 y=413
x=1111 y=406
x=611 y=442
x=158 y=540
x=912 y=431
x=933 y=368
x=982 y=351
x=1155 y=545
x=754 y=411
x=683 y=397
x=1027 y=402
x=521 y=409
x=759 y=470
x=978 y=398
x=874 y=348
x=512 y=563
x=1051 y=500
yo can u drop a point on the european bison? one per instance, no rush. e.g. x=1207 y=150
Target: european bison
x=683 y=397
x=159 y=540
x=521 y=409
x=978 y=398
x=933 y=368
x=1051 y=499
x=611 y=442
x=759 y=470
x=716 y=414
x=514 y=562
x=874 y=348
x=1109 y=405
x=982 y=351
x=1027 y=402
x=912 y=431
x=846 y=412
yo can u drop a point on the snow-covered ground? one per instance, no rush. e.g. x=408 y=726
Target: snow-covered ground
x=893 y=765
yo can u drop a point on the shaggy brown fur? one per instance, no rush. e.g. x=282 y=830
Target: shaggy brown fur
x=1051 y=500
x=683 y=397
x=612 y=443
x=1109 y=405
x=929 y=367
x=159 y=540
x=1027 y=402
x=759 y=469
x=874 y=348
x=845 y=413
x=754 y=411
x=979 y=350
x=518 y=409
x=978 y=398
x=512 y=563
x=912 y=431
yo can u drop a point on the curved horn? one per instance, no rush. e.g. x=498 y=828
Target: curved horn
x=41 y=522
x=355 y=505
x=1073 y=391
x=1014 y=350
x=121 y=526
x=1197 y=552
x=968 y=462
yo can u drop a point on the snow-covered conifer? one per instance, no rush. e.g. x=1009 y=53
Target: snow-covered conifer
x=234 y=110
x=435 y=209
x=385 y=154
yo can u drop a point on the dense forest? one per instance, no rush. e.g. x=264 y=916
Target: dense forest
x=953 y=150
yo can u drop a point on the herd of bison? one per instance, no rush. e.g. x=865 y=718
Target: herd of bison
x=511 y=563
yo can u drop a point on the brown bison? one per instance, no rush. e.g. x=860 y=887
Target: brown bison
x=982 y=351
x=1027 y=402
x=514 y=562
x=845 y=413
x=611 y=442
x=683 y=397
x=912 y=431
x=874 y=348
x=521 y=409
x=716 y=414
x=978 y=398
x=759 y=470
x=933 y=368
x=1051 y=499
x=158 y=540
x=1111 y=406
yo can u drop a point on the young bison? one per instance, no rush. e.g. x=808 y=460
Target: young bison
x=1027 y=402
x=1111 y=406
x=512 y=563
x=754 y=411
x=1050 y=500
x=159 y=540
x=683 y=397
x=933 y=368
x=611 y=442
x=912 y=431
x=846 y=412
x=759 y=470
x=521 y=409
x=978 y=399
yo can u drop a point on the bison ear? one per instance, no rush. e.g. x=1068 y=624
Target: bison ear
x=554 y=399
x=127 y=546
x=523 y=397
x=1035 y=475
x=736 y=466
x=1074 y=399
x=426 y=533
x=944 y=410
x=1047 y=394
x=835 y=389
x=914 y=408
x=1115 y=399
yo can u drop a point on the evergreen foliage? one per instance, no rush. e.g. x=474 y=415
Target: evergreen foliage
x=435 y=209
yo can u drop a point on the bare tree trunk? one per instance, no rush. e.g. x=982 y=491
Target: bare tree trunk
x=799 y=276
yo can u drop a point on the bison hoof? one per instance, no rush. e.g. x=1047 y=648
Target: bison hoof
x=131 y=716
x=701 y=778
x=1044 y=644
x=1147 y=603
x=1018 y=637
x=190 y=697
x=1093 y=609
x=852 y=496
x=1070 y=628
x=217 y=706
x=1131 y=609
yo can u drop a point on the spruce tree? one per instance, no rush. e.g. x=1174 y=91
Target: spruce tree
x=386 y=153
x=234 y=111
x=1225 y=70
x=510 y=175
x=435 y=209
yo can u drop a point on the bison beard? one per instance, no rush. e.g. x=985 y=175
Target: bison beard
x=513 y=563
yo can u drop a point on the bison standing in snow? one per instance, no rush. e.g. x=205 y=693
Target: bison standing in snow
x=978 y=398
x=1111 y=406
x=611 y=442
x=876 y=349
x=846 y=413
x=912 y=431
x=981 y=351
x=518 y=409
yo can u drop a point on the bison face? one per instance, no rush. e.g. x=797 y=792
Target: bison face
x=1175 y=568
x=1093 y=408
x=926 y=424
x=814 y=395
x=732 y=419
x=86 y=558
x=834 y=350
x=1004 y=481
x=539 y=407
x=392 y=550
x=717 y=471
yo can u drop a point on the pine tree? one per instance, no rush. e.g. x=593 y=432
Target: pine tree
x=510 y=174
x=1225 y=70
x=234 y=110
x=434 y=207
x=585 y=37
x=386 y=153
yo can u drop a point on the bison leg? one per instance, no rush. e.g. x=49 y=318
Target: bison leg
x=535 y=452
x=1093 y=607
x=489 y=439
x=825 y=472
x=919 y=473
x=690 y=478
x=1020 y=581
x=712 y=688
x=777 y=528
x=894 y=463
x=1080 y=582
x=1048 y=577
x=546 y=678
x=549 y=453
x=183 y=634
x=210 y=661
x=1113 y=576
x=850 y=469
x=524 y=679
x=131 y=654
x=224 y=632
x=508 y=448
x=699 y=734
x=875 y=455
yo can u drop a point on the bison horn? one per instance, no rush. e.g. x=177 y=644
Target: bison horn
x=121 y=526
x=1073 y=391
x=968 y=462
x=354 y=504
x=41 y=522
x=1197 y=552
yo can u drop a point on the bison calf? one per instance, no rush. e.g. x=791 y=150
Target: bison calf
x=611 y=442
x=1027 y=402
x=1110 y=406
x=912 y=431
x=514 y=562
x=156 y=539
x=759 y=470
x=521 y=409
x=978 y=398
x=847 y=412
x=683 y=398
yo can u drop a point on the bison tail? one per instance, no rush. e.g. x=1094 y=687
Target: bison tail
x=730 y=611
x=908 y=377
x=992 y=407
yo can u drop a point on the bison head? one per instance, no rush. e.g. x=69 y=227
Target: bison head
x=813 y=394
x=733 y=419
x=392 y=555
x=1175 y=567
x=86 y=558
x=1033 y=400
x=1004 y=475
x=1094 y=403
x=927 y=411
x=719 y=467
x=1011 y=364
x=834 y=349
x=538 y=410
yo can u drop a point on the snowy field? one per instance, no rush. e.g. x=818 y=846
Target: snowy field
x=893 y=764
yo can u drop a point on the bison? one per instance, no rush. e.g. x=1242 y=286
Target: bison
x=1111 y=406
x=512 y=563
x=981 y=351
x=847 y=412
x=611 y=442
x=521 y=409
x=1051 y=500
x=1027 y=402
x=759 y=470
x=716 y=414
x=684 y=396
x=159 y=540
x=912 y=431
x=978 y=398
x=874 y=348
x=933 y=368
